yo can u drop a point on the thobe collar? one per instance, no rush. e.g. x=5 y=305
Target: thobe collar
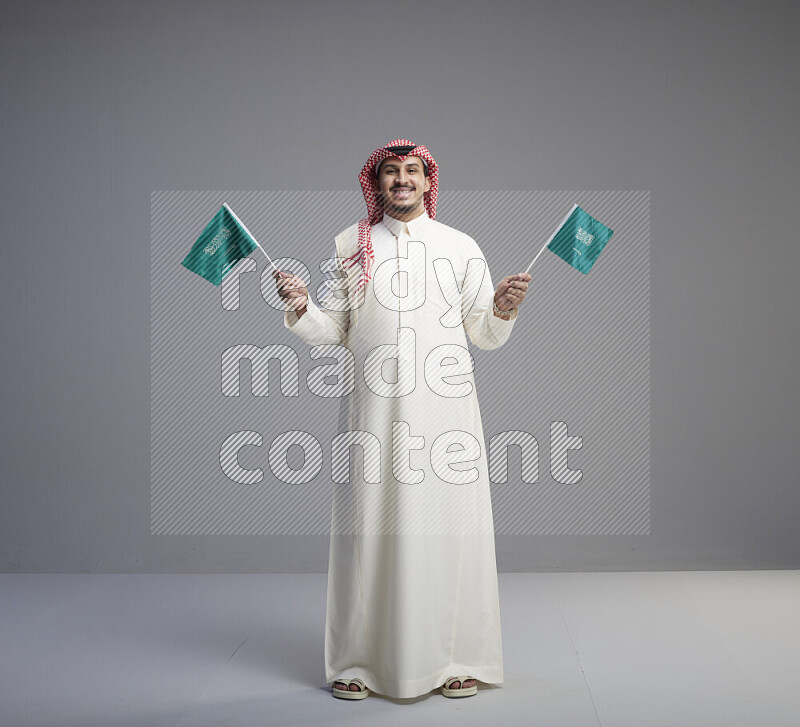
x=412 y=228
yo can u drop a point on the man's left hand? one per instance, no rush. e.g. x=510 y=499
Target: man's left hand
x=511 y=291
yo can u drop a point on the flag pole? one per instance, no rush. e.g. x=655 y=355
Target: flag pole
x=537 y=255
x=251 y=235
x=566 y=217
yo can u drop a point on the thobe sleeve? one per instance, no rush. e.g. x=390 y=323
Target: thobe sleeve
x=328 y=322
x=484 y=328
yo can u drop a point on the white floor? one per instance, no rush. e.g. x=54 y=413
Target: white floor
x=679 y=649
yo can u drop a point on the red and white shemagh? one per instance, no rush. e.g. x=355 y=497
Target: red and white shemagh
x=365 y=255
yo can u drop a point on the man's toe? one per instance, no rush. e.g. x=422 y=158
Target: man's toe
x=351 y=687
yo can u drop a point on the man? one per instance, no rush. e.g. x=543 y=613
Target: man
x=412 y=580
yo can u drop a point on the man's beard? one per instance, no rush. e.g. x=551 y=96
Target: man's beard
x=403 y=208
x=391 y=206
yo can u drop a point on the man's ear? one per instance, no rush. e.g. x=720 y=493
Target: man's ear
x=427 y=184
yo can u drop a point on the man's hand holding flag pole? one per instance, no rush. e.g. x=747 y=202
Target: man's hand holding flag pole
x=578 y=240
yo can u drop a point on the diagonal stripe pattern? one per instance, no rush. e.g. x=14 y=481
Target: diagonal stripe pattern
x=231 y=454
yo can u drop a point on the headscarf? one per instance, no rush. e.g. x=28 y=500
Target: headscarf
x=400 y=148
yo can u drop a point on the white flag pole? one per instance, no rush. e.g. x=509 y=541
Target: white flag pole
x=251 y=234
x=558 y=229
x=538 y=253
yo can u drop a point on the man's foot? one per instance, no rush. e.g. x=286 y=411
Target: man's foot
x=350 y=689
x=467 y=683
x=460 y=686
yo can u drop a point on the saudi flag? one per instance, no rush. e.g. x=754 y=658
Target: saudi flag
x=578 y=240
x=224 y=241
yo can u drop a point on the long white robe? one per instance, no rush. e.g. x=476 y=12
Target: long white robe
x=412 y=577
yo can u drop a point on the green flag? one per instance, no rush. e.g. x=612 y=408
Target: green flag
x=223 y=242
x=580 y=239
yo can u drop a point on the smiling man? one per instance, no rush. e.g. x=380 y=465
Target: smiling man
x=402 y=185
x=412 y=581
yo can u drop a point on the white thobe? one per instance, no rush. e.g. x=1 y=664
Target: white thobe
x=412 y=577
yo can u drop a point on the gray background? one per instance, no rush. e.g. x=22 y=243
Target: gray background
x=105 y=102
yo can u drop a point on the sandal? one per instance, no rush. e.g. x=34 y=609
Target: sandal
x=346 y=693
x=462 y=691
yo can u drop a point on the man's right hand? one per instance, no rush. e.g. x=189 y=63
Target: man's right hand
x=292 y=291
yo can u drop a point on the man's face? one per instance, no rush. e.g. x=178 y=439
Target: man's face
x=402 y=184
